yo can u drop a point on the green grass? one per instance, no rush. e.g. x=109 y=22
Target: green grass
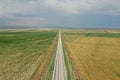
x=114 y=35
x=118 y=74
x=84 y=31
x=20 y=37
x=21 y=52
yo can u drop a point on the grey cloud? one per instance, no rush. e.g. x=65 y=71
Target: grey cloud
x=8 y=7
x=68 y=6
x=81 y=6
x=46 y=10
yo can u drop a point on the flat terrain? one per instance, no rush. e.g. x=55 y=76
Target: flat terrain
x=59 y=72
x=33 y=54
x=93 y=54
x=22 y=52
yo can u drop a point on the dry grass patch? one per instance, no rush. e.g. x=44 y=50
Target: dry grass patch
x=94 y=58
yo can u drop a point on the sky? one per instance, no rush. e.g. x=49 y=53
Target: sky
x=60 y=13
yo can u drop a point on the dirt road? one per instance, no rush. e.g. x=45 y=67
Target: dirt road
x=59 y=72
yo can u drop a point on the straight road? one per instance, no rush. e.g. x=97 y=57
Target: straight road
x=59 y=72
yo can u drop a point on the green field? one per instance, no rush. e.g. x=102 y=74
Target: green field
x=21 y=52
x=93 y=33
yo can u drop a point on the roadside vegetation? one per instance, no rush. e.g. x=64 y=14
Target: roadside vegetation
x=23 y=52
x=93 y=56
x=51 y=64
x=67 y=62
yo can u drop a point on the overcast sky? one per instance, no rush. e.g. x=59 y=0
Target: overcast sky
x=60 y=13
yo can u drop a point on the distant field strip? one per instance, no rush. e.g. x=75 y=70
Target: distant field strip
x=21 y=54
x=95 y=56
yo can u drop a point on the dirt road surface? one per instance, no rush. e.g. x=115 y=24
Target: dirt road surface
x=59 y=72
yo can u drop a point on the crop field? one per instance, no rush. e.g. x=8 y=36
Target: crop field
x=25 y=52
x=93 y=54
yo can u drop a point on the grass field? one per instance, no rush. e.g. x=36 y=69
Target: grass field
x=23 y=51
x=93 y=54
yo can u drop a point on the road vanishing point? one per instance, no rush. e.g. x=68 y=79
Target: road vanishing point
x=59 y=72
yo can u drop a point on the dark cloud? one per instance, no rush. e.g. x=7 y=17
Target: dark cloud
x=59 y=12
